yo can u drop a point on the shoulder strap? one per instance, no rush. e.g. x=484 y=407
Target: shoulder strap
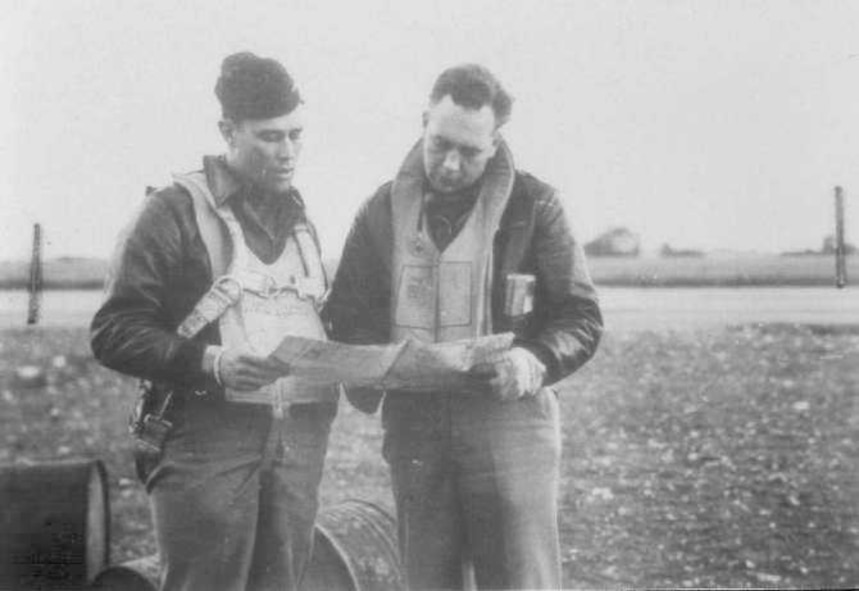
x=217 y=239
x=225 y=292
x=208 y=221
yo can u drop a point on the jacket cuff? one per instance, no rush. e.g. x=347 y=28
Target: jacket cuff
x=188 y=366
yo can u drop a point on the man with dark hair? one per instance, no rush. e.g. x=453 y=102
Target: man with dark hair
x=473 y=86
x=213 y=272
x=461 y=245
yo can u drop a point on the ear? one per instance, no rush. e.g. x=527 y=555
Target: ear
x=496 y=141
x=228 y=131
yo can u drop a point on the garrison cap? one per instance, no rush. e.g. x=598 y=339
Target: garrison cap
x=252 y=87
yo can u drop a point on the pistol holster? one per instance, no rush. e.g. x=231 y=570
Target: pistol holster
x=149 y=427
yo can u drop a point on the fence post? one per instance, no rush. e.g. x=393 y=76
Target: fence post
x=35 y=285
x=840 y=250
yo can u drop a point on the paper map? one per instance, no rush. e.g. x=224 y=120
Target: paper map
x=408 y=365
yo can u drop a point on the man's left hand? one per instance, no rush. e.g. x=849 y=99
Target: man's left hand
x=515 y=374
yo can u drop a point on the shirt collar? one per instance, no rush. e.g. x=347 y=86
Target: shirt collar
x=468 y=194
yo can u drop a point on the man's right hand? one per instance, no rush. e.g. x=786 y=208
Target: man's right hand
x=514 y=374
x=240 y=369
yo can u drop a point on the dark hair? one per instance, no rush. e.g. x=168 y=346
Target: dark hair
x=252 y=87
x=473 y=86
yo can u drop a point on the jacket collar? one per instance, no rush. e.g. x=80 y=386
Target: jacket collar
x=222 y=183
x=496 y=182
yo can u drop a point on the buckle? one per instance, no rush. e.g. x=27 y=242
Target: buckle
x=265 y=286
x=296 y=286
x=258 y=283
x=228 y=289
x=270 y=288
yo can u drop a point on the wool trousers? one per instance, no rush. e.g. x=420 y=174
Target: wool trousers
x=234 y=497
x=476 y=488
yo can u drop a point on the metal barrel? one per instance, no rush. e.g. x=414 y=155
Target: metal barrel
x=356 y=546
x=54 y=524
x=355 y=549
x=135 y=575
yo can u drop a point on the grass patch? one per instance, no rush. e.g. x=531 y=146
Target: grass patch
x=724 y=458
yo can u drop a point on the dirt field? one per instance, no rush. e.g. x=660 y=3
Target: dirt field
x=722 y=458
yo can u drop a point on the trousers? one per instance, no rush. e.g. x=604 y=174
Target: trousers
x=235 y=496
x=476 y=489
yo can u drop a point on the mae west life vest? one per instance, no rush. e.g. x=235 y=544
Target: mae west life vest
x=265 y=302
x=440 y=296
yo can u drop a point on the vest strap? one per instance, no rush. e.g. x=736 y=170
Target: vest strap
x=208 y=221
x=226 y=292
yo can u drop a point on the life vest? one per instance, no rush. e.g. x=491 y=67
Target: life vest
x=257 y=304
x=444 y=296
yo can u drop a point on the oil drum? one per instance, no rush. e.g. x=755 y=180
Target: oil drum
x=54 y=524
x=355 y=549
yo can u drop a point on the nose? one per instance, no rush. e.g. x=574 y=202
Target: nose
x=452 y=160
x=287 y=150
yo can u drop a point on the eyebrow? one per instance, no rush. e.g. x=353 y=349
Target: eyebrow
x=279 y=131
x=437 y=137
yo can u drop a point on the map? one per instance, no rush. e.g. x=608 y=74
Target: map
x=408 y=365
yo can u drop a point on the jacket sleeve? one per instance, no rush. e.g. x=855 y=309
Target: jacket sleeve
x=360 y=295
x=134 y=330
x=357 y=309
x=568 y=323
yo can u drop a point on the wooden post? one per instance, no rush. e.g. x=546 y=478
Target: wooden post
x=840 y=250
x=35 y=285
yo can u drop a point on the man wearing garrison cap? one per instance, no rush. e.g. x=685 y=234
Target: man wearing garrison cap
x=462 y=245
x=207 y=279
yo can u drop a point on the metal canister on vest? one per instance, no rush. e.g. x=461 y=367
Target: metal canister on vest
x=518 y=294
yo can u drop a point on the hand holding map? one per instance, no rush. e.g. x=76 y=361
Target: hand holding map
x=408 y=365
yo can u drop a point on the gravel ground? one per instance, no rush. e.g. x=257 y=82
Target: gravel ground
x=721 y=458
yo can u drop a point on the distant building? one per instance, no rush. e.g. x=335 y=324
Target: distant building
x=669 y=251
x=829 y=246
x=616 y=242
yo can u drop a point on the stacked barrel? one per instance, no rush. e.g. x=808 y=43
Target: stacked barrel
x=55 y=525
x=55 y=528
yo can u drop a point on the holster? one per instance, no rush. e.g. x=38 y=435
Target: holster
x=149 y=427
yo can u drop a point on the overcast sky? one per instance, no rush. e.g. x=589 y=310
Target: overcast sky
x=702 y=124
